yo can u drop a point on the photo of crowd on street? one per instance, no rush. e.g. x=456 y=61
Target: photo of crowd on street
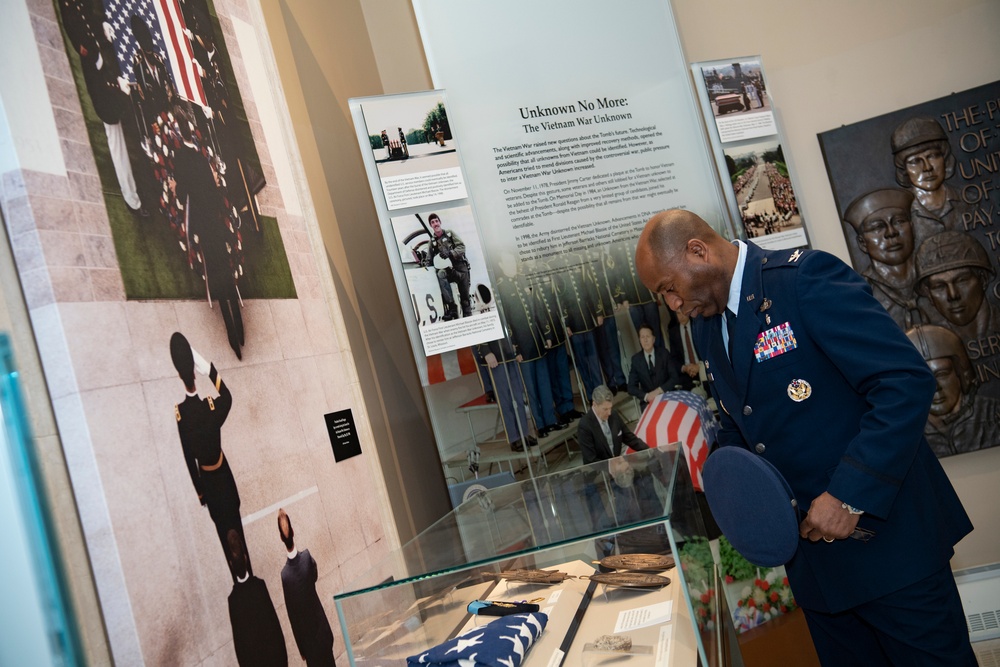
x=763 y=189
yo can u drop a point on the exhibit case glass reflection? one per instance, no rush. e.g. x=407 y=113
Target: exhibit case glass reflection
x=616 y=547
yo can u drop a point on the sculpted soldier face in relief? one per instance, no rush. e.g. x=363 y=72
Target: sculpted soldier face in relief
x=887 y=236
x=926 y=168
x=949 y=386
x=957 y=294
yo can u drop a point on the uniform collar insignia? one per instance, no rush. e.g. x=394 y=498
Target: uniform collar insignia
x=795 y=256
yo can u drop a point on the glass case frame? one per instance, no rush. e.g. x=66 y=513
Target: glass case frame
x=566 y=521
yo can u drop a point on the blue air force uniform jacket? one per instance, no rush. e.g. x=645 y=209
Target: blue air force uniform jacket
x=825 y=386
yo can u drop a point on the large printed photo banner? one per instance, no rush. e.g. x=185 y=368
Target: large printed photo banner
x=204 y=438
x=917 y=190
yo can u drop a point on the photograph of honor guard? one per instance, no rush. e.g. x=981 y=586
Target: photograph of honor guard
x=208 y=218
x=219 y=123
x=885 y=234
x=447 y=247
x=924 y=162
x=527 y=324
x=88 y=32
x=954 y=272
x=653 y=370
x=257 y=636
x=556 y=356
x=310 y=626
x=199 y=424
x=498 y=359
x=576 y=298
x=643 y=305
x=961 y=419
x=609 y=350
x=846 y=365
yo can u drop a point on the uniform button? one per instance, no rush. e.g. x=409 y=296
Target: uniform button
x=760 y=447
x=747 y=410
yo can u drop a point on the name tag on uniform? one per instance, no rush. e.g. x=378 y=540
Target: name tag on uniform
x=776 y=340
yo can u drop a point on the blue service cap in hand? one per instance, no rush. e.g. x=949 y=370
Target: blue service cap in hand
x=753 y=505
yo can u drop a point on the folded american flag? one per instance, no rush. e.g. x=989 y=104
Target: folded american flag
x=501 y=643
x=680 y=416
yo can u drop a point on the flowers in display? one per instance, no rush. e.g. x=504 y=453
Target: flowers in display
x=767 y=598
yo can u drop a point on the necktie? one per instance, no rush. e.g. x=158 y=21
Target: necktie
x=649 y=360
x=731 y=328
x=607 y=435
x=689 y=348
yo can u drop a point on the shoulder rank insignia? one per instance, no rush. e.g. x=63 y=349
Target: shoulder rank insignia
x=795 y=256
x=177 y=412
x=211 y=403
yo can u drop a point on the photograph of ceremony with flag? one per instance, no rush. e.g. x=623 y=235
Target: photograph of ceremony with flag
x=174 y=151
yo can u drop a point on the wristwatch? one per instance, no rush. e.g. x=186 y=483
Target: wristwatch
x=852 y=510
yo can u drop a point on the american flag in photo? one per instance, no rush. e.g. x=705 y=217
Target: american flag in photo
x=680 y=416
x=166 y=23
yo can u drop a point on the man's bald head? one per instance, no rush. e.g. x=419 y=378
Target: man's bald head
x=668 y=232
x=681 y=257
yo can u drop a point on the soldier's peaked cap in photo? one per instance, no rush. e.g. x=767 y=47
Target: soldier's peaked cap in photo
x=753 y=505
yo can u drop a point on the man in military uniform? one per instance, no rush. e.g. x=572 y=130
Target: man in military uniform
x=107 y=88
x=881 y=220
x=793 y=340
x=954 y=272
x=924 y=161
x=500 y=362
x=530 y=327
x=199 y=424
x=556 y=357
x=447 y=252
x=961 y=420
x=576 y=296
x=609 y=351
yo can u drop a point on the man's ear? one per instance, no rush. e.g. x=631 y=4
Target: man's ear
x=697 y=248
x=862 y=244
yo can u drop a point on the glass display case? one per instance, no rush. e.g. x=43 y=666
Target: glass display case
x=574 y=524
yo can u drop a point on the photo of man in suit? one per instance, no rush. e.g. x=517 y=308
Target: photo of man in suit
x=601 y=432
x=257 y=636
x=846 y=365
x=653 y=371
x=310 y=626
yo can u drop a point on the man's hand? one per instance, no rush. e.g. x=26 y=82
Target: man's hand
x=827 y=520
x=200 y=364
x=690 y=369
x=650 y=395
x=491 y=360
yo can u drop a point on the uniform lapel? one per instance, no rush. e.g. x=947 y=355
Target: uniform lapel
x=748 y=320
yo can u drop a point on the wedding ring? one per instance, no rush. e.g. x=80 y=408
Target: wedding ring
x=827 y=539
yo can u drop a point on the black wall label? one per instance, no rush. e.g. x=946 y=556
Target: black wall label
x=343 y=434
